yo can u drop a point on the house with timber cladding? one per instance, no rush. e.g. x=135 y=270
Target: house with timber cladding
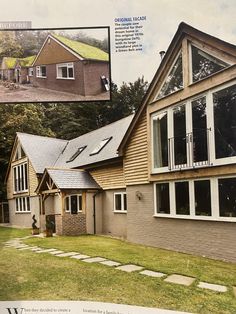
x=172 y=183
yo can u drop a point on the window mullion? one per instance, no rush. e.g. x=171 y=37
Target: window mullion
x=215 y=199
x=172 y=198
x=191 y=198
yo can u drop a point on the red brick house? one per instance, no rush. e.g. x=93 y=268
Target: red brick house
x=70 y=66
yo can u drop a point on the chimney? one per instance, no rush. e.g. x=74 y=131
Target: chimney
x=162 y=53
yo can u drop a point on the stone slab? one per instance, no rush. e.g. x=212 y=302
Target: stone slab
x=180 y=279
x=47 y=250
x=36 y=249
x=21 y=246
x=94 y=259
x=25 y=248
x=210 y=286
x=80 y=256
x=55 y=252
x=234 y=290
x=110 y=263
x=129 y=268
x=151 y=273
x=67 y=254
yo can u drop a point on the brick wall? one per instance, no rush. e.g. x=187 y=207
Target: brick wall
x=68 y=224
x=87 y=78
x=209 y=238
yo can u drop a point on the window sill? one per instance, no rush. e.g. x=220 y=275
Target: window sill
x=65 y=78
x=22 y=212
x=43 y=77
x=204 y=218
x=120 y=211
x=20 y=192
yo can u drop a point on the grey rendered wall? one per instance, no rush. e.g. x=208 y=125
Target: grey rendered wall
x=208 y=238
x=24 y=219
x=89 y=213
x=114 y=224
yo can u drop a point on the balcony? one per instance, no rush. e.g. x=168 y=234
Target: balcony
x=189 y=150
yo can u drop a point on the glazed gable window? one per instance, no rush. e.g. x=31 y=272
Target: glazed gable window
x=65 y=71
x=73 y=203
x=202 y=199
x=174 y=79
x=204 y=64
x=120 y=202
x=20 y=178
x=41 y=71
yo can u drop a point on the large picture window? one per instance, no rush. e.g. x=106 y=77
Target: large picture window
x=202 y=199
x=20 y=178
x=199 y=132
x=65 y=71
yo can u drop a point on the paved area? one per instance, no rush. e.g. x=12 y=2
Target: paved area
x=179 y=279
x=28 y=93
x=218 y=288
x=172 y=278
x=151 y=273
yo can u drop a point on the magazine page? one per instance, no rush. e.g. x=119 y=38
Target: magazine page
x=117 y=156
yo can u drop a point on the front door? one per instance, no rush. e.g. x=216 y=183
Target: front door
x=74 y=204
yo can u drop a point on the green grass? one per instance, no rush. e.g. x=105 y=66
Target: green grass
x=28 y=276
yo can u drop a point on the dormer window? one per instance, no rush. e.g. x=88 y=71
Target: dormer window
x=100 y=146
x=77 y=153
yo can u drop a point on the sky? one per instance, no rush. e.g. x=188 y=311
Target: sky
x=215 y=17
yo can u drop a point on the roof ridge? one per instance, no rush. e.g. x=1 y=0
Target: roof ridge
x=36 y=135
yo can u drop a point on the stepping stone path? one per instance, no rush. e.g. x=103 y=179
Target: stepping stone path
x=210 y=286
x=80 y=256
x=110 y=263
x=129 y=268
x=94 y=260
x=179 y=279
x=151 y=273
x=67 y=254
x=174 y=278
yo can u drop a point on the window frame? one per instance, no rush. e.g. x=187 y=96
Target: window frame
x=69 y=65
x=214 y=191
x=123 y=210
x=31 y=71
x=212 y=160
x=24 y=205
x=79 y=210
x=39 y=71
x=20 y=178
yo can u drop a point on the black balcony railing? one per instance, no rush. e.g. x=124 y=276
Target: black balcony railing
x=189 y=150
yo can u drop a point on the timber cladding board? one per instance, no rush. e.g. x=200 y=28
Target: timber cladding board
x=109 y=177
x=54 y=53
x=33 y=179
x=136 y=153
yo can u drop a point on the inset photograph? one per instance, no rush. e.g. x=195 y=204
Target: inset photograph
x=54 y=65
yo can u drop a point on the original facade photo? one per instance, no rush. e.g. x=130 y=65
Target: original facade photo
x=55 y=65
x=141 y=178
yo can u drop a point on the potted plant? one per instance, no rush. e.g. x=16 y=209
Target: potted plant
x=35 y=229
x=49 y=227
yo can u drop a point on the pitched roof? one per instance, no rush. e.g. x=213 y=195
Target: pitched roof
x=183 y=30
x=42 y=151
x=45 y=152
x=72 y=179
x=26 y=62
x=91 y=140
x=84 y=50
x=10 y=62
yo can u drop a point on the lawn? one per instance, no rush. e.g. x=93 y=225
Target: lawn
x=29 y=276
